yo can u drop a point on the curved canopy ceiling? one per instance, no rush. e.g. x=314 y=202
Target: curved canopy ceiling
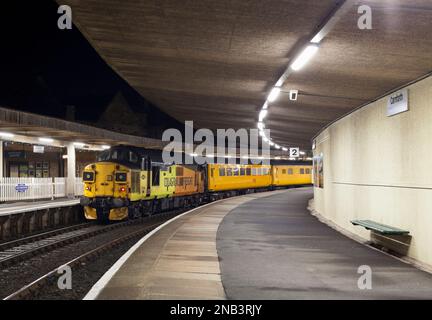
x=215 y=62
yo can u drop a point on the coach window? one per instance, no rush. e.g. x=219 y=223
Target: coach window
x=254 y=172
x=221 y=172
x=308 y=171
x=290 y=171
x=283 y=171
x=236 y=171
x=248 y=171
x=229 y=172
x=242 y=171
x=258 y=171
x=301 y=170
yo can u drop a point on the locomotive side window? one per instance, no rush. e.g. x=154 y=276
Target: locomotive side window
x=229 y=172
x=133 y=157
x=155 y=176
x=242 y=171
x=221 y=172
x=302 y=171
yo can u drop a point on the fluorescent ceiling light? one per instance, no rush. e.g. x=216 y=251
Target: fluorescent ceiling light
x=260 y=125
x=262 y=114
x=193 y=155
x=245 y=157
x=6 y=135
x=46 y=140
x=265 y=139
x=277 y=158
x=285 y=149
x=265 y=106
x=273 y=94
x=271 y=143
x=304 y=57
x=302 y=153
x=105 y=147
x=209 y=156
x=79 y=144
x=277 y=146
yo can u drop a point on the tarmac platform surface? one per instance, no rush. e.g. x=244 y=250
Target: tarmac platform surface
x=258 y=246
x=273 y=248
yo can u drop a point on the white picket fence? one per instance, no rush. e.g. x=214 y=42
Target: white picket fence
x=12 y=189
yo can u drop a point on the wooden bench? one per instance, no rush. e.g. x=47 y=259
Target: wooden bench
x=379 y=227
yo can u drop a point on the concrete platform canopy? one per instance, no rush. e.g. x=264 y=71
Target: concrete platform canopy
x=29 y=125
x=215 y=62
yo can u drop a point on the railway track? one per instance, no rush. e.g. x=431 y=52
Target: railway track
x=21 y=249
x=34 y=287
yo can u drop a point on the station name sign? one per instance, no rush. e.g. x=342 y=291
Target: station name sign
x=397 y=102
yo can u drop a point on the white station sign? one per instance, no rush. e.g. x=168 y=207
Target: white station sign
x=398 y=102
x=294 y=152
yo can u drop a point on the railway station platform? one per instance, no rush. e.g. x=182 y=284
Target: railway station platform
x=257 y=246
x=28 y=206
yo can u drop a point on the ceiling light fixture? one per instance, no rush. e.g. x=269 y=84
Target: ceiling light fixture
x=274 y=94
x=304 y=57
x=46 y=140
x=6 y=135
x=262 y=114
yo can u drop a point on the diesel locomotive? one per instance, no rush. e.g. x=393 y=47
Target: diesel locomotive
x=125 y=183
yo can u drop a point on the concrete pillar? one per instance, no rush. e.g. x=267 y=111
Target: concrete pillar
x=1 y=159
x=71 y=168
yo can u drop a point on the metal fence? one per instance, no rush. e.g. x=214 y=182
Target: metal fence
x=12 y=189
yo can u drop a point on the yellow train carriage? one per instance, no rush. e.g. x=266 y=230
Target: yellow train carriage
x=287 y=175
x=225 y=177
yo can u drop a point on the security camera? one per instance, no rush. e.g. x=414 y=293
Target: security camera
x=293 y=94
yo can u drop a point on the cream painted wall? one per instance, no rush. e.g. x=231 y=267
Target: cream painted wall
x=380 y=168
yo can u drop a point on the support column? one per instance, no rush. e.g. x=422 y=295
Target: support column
x=71 y=168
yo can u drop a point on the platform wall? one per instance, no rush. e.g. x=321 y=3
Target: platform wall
x=380 y=168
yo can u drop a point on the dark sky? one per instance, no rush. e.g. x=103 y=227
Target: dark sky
x=43 y=69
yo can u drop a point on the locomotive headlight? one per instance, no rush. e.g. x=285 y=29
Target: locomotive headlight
x=122 y=189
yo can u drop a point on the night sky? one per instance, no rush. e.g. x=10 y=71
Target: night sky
x=44 y=69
